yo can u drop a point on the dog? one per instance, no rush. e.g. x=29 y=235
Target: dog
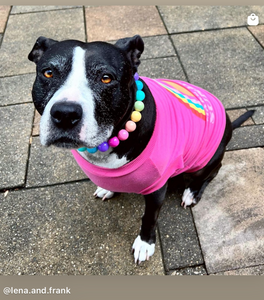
x=90 y=97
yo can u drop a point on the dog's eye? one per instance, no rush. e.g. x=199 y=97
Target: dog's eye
x=106 y=79
x=48 y=74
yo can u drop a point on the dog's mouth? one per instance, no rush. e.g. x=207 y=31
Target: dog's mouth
x=65 y=142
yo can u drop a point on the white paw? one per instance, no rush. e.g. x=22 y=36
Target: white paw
x=187 y=198
x=104 y=194
x=142 y=250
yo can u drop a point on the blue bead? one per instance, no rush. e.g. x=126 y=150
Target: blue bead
x=139 y=85
x=82 y=149
x=92 y=150
x=140 y=96
x=103 y=147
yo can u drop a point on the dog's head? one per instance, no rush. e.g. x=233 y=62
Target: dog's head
x=83 y=90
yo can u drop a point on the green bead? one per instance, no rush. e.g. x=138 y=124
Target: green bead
x=82 y=149
x=139 y=105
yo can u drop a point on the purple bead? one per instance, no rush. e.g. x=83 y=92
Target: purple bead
x=103 y=147
x=113 y=142
x=136 y=76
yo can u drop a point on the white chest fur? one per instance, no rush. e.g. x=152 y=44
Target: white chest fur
x=105 y=159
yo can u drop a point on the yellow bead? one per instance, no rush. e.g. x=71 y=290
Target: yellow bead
x=136 y=116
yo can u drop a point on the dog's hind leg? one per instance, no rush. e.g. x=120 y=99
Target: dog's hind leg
x=192 y=195
x=201 y=178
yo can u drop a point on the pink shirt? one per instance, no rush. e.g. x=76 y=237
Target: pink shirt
x=190 y=124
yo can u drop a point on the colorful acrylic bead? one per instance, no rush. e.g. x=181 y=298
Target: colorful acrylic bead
x=136 y=76
x=139 y=85
x=103 y=147
x=113 y=142
x=140 y=95
x=130 y=126
x=122 y=135
x=82 y=149
x=92 y=150
x=136 y=116
x=139 y=106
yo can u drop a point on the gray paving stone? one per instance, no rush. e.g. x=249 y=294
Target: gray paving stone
x=178 y=235
x=258 y=116
x=23 y=30
x=36 y=8
x=107 y=23
x=223 y=63
x=65 y=230
x=258 y=270
x=229 y=218
x=157 y=46
x=51 y=165
x=236 y=113
x=16 y=89
x=191 y=18
x=16 y=126
x=200 y=270
x=247 y=137
x=168 y=67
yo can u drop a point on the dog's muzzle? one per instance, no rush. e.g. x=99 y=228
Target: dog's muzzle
x=66 y=115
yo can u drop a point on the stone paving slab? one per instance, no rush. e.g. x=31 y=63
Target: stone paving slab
x=229 y=218
x=178 y=235
x=36 y=8
x=157 y=46
x=236 y=76
x=16 y=126
x=4 y=12
x=51 y=165
x=258 y=270
x=258 y=116
x=194 y=18
x=16 y=89
x=247 y=137
x=35 y=131
x=65 y=230
x=168 y=67
x=23 y=30
x=236 y=113
x=258 y=32
x=106 y=23
x=190 y=271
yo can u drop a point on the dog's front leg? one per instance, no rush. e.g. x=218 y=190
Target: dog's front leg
x=144 y=244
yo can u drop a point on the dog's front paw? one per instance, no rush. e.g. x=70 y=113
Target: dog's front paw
x=142 y=250
x=102 y=193
x=188 y=198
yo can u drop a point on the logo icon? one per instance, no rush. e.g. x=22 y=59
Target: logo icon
x=253 y=20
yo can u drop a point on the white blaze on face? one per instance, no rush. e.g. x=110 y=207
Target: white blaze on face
x=75 y=88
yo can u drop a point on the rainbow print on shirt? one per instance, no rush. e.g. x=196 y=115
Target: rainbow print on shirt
x=184 y=96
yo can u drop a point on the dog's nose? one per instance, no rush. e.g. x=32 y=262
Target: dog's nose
x=66 y=115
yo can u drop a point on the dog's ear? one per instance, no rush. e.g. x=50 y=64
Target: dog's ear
x=133 y=47
x=42 y=44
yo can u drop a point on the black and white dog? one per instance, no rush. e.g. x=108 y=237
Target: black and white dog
x=85 y=93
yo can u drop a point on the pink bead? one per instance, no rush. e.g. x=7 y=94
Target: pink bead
x=122 y=135
x=130 y=126
x=113 y=142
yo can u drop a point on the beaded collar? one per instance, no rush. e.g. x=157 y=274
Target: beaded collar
x=130 y=126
